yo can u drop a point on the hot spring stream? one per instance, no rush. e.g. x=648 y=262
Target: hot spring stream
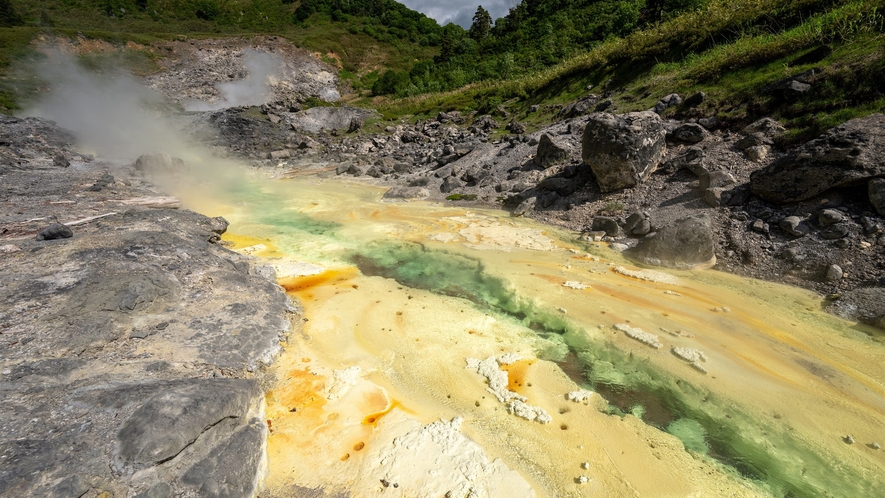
x=441 y=344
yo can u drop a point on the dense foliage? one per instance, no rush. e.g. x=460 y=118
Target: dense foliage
x=535 y=34
x=388 y=18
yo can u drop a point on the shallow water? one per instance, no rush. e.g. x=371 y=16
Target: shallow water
x=397 y=296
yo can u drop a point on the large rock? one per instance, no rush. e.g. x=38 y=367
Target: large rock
x=623 y=150
x=329 y=118
x=850 y=154
x=549 y=152
x=863 y=305
x=159 y=163
x=685 y=244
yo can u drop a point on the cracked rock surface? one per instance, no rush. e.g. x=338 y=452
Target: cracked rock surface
x=131 y=353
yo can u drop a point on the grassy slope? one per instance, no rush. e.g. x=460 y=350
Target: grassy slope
x=730 y=50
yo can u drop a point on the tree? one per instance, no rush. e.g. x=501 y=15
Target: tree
x=447 y=44
x=482 y=24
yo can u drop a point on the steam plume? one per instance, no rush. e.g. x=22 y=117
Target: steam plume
x=252 y=90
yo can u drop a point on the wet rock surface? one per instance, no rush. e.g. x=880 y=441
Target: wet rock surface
x=132 y=350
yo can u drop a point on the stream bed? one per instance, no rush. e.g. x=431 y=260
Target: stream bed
x=459 y=352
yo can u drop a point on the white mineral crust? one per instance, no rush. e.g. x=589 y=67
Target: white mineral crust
x=571 y=284
x=342 y=381
x=498 y=380
x=579 y=396
x=647 y=275
x=436 y=460
x=640 y=335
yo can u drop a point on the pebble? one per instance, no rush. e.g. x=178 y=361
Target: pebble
x=759 y=226
x=585 y=465
x=848 y=439
x=874 y=445
x=583 y=480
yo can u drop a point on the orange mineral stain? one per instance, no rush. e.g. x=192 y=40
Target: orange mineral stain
x=300 y=284
x=373 y=418
x=516 y=374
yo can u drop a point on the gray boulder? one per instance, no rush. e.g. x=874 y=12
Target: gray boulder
x=485 y=123
x=863 y=305
x=623 y=150
x=607 y=225
x=329 y=118
x=690 y=132
x=549 y=152
x=685 y=244
x=827 y=217
x=766 y=126
x=794 y=226
x=525 y=206
x=876 y=190
x=714 y=179
x=160 y=162
x=850 y=154
x=55 y=231
x=449 y=184
x=670 y=100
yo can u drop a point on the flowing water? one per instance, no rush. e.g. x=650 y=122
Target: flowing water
x=373 y=395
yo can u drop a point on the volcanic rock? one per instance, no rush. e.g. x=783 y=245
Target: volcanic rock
x=866 y=305
x=847 y=155
x=607 y=225
x=55 y=231
x=623 y=150
x=690 y=132
x=549 y=152
x=685 y=244
x=328 y=118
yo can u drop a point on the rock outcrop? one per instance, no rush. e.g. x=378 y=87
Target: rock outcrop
x=850 y=154
x=327 y=118
x=686 y=244
x=623 y=150
x=126 y=347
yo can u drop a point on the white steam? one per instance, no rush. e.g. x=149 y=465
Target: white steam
x=118 y=118
x=107 y=112
x=252 y=90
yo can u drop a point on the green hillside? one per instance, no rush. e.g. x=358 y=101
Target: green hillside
x=542 y=52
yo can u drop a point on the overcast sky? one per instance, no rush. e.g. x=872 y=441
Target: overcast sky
x=459 y=12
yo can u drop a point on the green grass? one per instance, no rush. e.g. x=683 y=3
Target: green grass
x=727 y=50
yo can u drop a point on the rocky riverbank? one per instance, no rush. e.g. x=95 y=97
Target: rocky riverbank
x=133 y=345
x=829 y=239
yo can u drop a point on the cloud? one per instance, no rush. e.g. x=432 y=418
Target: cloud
x=459 y=12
